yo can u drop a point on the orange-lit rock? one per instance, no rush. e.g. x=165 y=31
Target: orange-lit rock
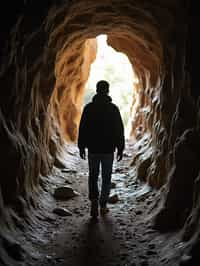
x=72 y=71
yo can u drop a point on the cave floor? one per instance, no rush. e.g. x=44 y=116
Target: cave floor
x=124 y=237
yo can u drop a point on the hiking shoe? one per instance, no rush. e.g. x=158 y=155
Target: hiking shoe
x=94 y=212
x=104 y=210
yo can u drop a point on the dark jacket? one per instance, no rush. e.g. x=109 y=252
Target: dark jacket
x=101 y=128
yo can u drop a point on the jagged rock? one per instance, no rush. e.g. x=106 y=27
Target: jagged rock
x=113 y=199
x=65 y=193
x=62 y=211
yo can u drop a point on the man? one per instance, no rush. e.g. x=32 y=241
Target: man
x=101 y=131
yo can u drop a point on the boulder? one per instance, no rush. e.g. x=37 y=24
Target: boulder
x=65 y=193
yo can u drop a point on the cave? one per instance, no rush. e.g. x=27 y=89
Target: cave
x=46 y=53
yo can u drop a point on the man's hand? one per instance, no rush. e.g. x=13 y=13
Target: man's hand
x=82 y=154
x=119 y=155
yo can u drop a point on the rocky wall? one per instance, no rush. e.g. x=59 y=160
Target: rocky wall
x=46 y=53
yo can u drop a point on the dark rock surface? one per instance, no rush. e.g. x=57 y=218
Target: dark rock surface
x=46 y=51
x=65 y=193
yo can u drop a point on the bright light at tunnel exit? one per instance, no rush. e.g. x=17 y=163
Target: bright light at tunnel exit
x=116 y=68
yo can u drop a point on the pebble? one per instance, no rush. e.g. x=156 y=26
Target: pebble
x=64 y=193
x=151 y=246
x=113 y=185
x=62 y=211
x=119 y=170
x=185 y=260
x=68 y=182
x=151 y=252
x=138 y=212
x=76 y=210
x=70 y=171
x=113 y=199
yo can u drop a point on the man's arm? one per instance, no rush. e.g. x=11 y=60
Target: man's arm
x=120 y=136
x=82 y=134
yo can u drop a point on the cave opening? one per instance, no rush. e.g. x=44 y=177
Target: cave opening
x=78 y=70
x=116 y=68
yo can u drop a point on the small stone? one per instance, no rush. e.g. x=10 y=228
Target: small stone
x=64 y=193
x=113 y=185
x=185 y=260
x=142 y=240
x=143 y=257
x=49 y=219
x=62 y=211
x=138 y=212
x=126 y=154
x=69 y=171
x=76 y=210
x=151 y=246
x=59 y=260
x=119 y=170
x=151 y=252
x=149 y=202
x=49 y=257
x=113 y=199
x=68 y=182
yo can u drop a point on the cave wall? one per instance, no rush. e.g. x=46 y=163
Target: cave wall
x=72 y=72
x=46 y=55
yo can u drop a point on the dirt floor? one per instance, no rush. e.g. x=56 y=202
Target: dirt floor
x=124 y=237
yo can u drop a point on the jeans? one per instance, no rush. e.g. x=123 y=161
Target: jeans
x=106 y=162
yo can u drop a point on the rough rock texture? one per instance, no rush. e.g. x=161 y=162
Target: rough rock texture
x=46 y=52
x=72 y=71
x=64 y=193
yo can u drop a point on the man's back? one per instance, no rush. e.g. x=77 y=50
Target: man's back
x=101 y=128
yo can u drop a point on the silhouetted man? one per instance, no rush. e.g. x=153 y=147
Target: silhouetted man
x=101 y=131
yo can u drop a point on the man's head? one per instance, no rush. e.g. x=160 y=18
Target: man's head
x=102 y=87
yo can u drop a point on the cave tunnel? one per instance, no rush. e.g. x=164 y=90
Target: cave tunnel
x=46 y=54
